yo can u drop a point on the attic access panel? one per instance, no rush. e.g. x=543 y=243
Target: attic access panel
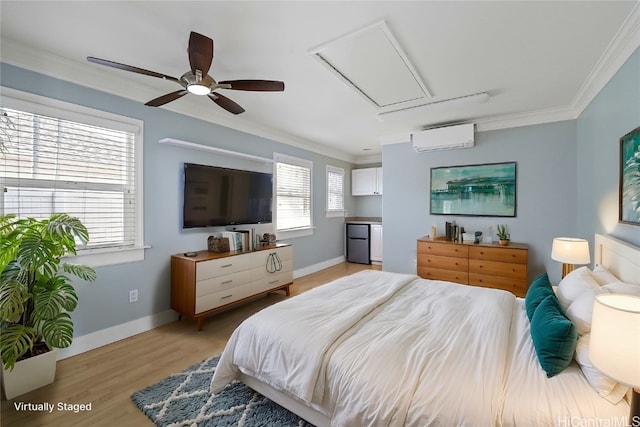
x=372 y=63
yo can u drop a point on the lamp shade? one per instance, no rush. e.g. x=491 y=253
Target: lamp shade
x=570 y=251
x=614 y=346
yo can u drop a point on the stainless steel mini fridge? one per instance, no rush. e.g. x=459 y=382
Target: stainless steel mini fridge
x=358 y=243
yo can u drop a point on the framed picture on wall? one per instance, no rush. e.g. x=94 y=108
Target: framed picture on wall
x=474 y=190
x=629 y=211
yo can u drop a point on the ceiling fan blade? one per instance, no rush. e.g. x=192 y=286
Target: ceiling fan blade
x=200 y=53
x=130 y=68
x=226 y=103
x=161 y=100
x=255 y=85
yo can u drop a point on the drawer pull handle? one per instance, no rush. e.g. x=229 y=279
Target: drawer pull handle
x=226 y=265
x=226 y=281
x=226 y=296
x=481 y=253
x=274 y=281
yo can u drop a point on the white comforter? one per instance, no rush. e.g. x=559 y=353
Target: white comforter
x=385 y=349
x=374 y=359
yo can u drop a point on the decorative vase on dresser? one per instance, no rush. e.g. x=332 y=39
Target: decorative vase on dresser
x=486 y=264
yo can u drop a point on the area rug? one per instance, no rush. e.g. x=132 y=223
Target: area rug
x=184 y=400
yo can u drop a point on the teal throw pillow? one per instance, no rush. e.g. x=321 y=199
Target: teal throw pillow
x=554 y=336
x=538 y=290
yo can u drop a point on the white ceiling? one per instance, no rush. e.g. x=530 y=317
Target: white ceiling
x=538 y=60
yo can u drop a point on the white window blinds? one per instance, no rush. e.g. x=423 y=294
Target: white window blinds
x=293 y=193
x=335 y=191
x=53 y=165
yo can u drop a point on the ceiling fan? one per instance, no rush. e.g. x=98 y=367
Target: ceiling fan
x=196 y=80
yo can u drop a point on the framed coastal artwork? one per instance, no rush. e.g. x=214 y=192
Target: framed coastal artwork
x=474 y=190
x=629 y=211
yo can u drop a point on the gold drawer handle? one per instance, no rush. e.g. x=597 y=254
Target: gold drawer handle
x=226 y=282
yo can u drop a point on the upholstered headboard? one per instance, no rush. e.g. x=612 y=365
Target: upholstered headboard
x=620 y=258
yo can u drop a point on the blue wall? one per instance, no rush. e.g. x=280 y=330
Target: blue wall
x=612 y=113
x=104 y=303
x=546 y=192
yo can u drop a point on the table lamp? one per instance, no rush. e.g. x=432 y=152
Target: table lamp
x=570 y=251
x=614 y=346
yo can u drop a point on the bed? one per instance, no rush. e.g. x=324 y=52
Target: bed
x=386 y=349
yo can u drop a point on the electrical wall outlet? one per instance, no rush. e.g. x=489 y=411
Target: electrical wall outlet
x=133 y=295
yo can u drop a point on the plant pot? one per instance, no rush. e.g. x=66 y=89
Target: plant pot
x=29 y=374
x=503 y=242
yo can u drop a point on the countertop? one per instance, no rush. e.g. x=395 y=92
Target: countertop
x=363 y=220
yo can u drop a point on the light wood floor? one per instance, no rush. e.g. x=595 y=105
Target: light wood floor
x=107 y=376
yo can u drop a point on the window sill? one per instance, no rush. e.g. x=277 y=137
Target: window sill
x=292 y=234
x=108 y=256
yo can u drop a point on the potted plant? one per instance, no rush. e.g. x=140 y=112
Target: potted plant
x=503 y=234
x=36 y=294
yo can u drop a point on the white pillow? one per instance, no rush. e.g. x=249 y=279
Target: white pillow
x=575 y=283
x=603 y=276
x=623 y=288
x=606 y=387
x=580 y=311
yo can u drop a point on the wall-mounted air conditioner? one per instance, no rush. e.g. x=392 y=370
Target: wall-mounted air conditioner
x=444 y=138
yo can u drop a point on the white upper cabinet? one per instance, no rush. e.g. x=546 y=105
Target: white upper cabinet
x=366 y=182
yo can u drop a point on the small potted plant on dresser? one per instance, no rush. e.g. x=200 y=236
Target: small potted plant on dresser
x=36 y=296
x=503 y=234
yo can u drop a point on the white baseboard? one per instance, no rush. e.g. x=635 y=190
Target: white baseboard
x=317 y=267
x=110 y=335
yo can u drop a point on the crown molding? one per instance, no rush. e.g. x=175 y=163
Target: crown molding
x=528 y=118
x=364 y=160
x=625 y=42
x=86 y=75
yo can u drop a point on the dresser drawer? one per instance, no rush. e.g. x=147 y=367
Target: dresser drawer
x=222 y=266
x=259 y=273
x=495 y=268
x=218 y=299
x=447 y=275
x=442 y=262
x=219 y=283
x=517 y=256
x=443 y=249
x=518 y=287
x=261 y=257
x=271 y=282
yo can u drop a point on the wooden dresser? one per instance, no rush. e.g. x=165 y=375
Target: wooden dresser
x=488 y=265
x=210 y=281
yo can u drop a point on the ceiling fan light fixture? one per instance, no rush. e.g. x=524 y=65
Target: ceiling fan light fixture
x=199 y=89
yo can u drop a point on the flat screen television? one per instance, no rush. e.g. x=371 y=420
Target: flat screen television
x=216 y=196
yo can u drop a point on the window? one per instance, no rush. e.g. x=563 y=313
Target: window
x=335 y=191
x=293 y=196
x=59 y=157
